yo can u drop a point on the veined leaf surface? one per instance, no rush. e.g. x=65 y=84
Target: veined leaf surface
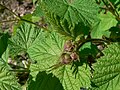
x=8 y=81
x=47 y=52
x=107 y=69
x=70 y=81
x=73 y=11
x=25 y=35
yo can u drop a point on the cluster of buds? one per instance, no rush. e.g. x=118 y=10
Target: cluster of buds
x=69 y=54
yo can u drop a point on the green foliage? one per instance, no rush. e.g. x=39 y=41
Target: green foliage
x=63 y=45
x=106 y=75
x=45 y=82
x=46 y=51
x=65 y=16
x=102 y=27
x=3 y=43
x=88 y=49
x=8 y=81
x=71 y=80
x=25 y=36
x=74 y=11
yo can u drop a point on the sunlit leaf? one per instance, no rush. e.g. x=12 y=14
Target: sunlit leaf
x=102 y=27
x=47 y=52
x=24 y=37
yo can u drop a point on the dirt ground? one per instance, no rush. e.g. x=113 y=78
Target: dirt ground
x=19 y=7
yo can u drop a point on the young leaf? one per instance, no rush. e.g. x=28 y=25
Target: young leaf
x=102 y=27
x=107 y=69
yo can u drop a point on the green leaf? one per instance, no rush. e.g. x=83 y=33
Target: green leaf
x=4 y=59
x=71 y=81
x=34 y=1
x=45 y=82
x=30 y=18
x=88 y=49
x=3 y=43
x=67 y=16
x=115 y=34
x=46 y=51
x=25 y=36
x=102 y=27
x=38 y=11
x=107 y=69
x=74 y=11
x=8 y=81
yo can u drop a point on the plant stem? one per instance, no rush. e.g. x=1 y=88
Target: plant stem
x=81 y=43
x=10 y=11
x=105 y=3
x=20 y=18
x=33 y=23
x=17 y=70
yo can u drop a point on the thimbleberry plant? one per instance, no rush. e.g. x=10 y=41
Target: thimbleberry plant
x=63 y=45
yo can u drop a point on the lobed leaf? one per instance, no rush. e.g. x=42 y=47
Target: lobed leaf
x=47 y=51
x=70 y=16
x=74 y=11
x=25 y=36
x=103 y=25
